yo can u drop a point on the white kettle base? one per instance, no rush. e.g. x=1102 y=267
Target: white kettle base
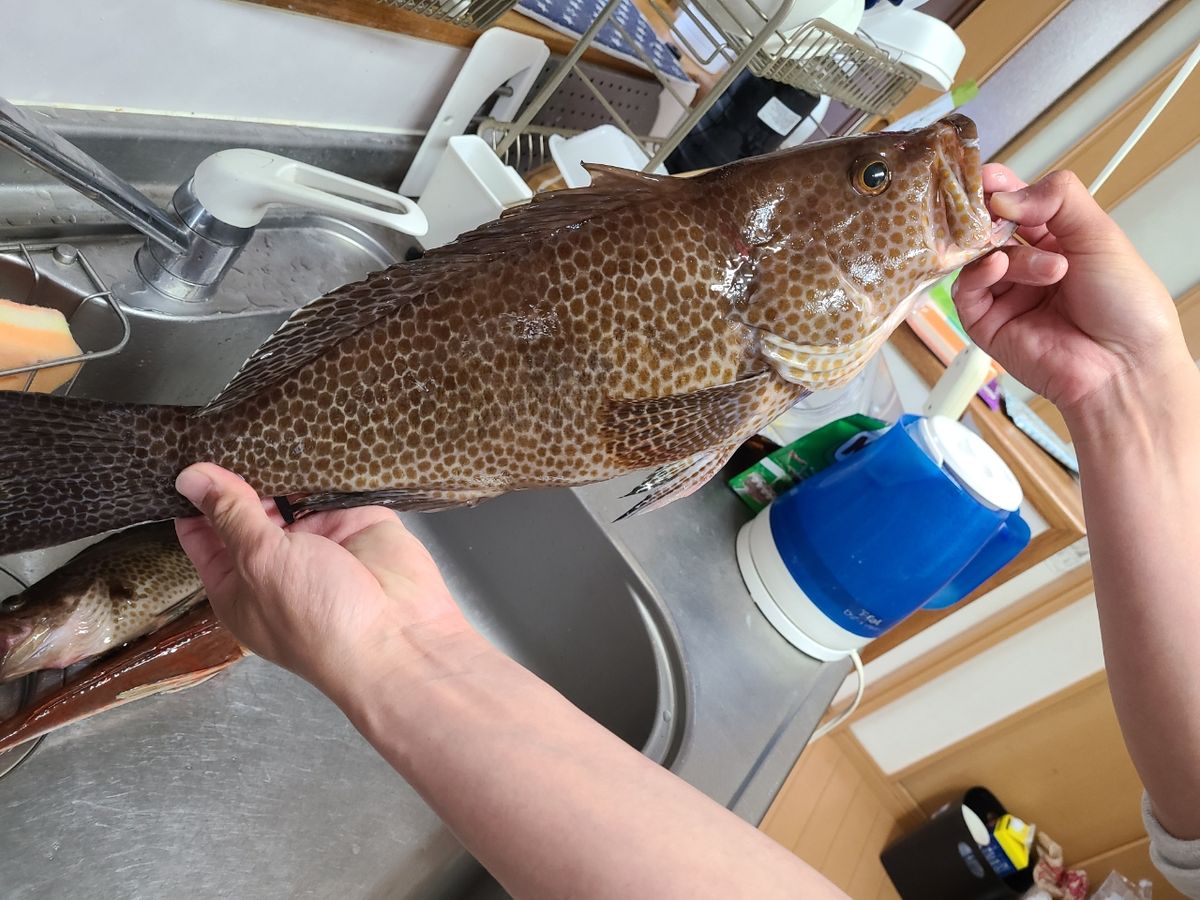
x=781 y=600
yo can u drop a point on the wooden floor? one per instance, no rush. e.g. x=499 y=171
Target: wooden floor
x=831 y=816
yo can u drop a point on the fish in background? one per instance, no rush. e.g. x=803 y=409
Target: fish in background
x=114 y=591
x=642 y=322
x=182 y=654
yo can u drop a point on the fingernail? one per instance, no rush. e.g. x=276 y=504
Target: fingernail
x=1045 y=264
x=999 y=178
x=193 y=485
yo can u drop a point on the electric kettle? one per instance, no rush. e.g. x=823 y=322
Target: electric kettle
x=913 y=517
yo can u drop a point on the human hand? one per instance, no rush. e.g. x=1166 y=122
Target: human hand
x=1079 y=313
x=322 y=596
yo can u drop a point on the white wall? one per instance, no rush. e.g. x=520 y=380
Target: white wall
x=1063 y=648
x=220 y=59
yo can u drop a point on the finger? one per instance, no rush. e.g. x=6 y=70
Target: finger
x=998 y=177
x=340 y=524
x=231 y=505
x=1028 y=265
x=1061 y=203
x=973 y=289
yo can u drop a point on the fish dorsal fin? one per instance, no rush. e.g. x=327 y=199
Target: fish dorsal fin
x=642 y=431
x=329 y=320
x=612 y=189
x=313 y=329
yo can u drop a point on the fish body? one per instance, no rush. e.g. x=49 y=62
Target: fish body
x=111 y=593
x=645 y=322
x=182 y=654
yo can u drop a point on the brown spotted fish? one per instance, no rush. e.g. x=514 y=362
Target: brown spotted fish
x=114 y=591
x=180 y=655
x=642 y=322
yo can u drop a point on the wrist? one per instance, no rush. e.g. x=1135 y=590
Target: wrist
x=401 y=657
x=1153 y=401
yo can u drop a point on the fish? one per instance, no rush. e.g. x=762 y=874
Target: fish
x=643 y=323
x=182 y=654
x=109 y=594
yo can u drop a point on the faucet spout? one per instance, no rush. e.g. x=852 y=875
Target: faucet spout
x=47 y=150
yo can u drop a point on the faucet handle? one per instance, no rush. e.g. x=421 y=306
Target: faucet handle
x=237 y=186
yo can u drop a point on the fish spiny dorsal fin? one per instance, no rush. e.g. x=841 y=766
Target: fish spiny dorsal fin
x=313 y=329
x=611 y=190
x=327 y=321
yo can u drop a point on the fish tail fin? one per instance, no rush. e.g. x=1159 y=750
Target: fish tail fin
x=71 y=468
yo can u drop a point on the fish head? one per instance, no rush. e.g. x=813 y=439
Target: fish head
x=35 y=625
x=857 y=229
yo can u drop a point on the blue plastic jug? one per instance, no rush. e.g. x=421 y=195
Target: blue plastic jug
x=917 y=517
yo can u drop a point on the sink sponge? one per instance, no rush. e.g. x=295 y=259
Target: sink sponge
x=32 y=334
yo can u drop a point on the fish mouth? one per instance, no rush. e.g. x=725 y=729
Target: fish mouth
x=961 y=226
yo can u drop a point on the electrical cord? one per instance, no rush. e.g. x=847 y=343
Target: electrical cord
x=849 y=711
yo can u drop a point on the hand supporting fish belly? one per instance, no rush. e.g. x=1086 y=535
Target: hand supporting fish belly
x=644 y=322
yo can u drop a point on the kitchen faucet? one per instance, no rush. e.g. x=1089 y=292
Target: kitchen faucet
x=191 y=245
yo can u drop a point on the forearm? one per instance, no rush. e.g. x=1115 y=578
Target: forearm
x=552 y=803
x=1139 y=455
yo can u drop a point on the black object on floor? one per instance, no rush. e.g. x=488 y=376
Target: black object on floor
x=941 y=861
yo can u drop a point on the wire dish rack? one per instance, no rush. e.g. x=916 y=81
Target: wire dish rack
x=65 y=257
x=470 y=13
x=816 y=57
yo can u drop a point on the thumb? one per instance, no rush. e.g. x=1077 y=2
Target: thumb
x=1061 y=203
x=231 y=505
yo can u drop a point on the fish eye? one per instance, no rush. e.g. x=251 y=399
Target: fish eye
x=12 y=604
x=871 y=176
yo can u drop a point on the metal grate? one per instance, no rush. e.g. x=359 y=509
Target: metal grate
x=816 y=57
x=471 y=13
x=822 y=59
x=69 y=256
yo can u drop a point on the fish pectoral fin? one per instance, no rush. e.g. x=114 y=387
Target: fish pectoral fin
x=676 y=480
x=401 y=499
x=640 y=433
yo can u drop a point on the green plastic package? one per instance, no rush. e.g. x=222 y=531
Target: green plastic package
x=775 y=473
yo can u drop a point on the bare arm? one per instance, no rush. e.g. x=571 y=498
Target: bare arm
x=1082 y=320
x=552 y=803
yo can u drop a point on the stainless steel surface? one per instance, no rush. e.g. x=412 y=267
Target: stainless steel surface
x=253 y=785
x=187 y=252
x=179 y=352
x=1069 y=46
x=22 y=132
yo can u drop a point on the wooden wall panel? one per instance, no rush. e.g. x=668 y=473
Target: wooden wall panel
x=831 y=816
x=1133 y=861
x=1060 y=763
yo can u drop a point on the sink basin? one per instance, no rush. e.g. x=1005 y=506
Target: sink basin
x=253 y=784
x=255 y=779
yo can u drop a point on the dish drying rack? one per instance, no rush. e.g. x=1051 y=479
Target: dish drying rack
x=816 y=57
x=67 y=256
x=468 y=13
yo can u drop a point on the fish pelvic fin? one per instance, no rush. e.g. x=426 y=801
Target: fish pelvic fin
x=677 y=480
x=400 y=499
x=72 y=468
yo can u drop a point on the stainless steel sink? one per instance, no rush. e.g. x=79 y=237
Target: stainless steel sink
x=253 y=785
x=255 y=779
